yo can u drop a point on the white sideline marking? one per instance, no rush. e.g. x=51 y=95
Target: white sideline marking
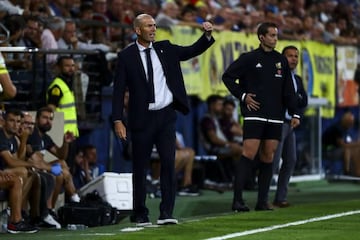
x=266 y=229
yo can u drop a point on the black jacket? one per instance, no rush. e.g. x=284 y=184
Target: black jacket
x=267 y=75
x=130 y=74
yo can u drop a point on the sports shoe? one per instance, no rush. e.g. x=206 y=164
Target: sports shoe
x=190 y=190
x=75 y=198
x=166 y=219
x=240 y=207
x=21 y=227
x=263 y=207
x=51 y=221
x=283 y=204
x=140 y=221
x=53 y=214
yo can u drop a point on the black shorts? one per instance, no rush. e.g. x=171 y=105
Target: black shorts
x=254 y=129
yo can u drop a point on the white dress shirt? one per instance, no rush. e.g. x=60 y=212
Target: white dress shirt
x=163 y=95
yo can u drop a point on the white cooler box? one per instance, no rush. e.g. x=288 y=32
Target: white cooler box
x=115 y=188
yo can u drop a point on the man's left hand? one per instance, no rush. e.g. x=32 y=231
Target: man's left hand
x=294 y=122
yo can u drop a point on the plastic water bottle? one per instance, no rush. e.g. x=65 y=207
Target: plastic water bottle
x=3 y=221
x=74 y=227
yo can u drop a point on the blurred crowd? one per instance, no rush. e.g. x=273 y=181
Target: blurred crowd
x=109 y=22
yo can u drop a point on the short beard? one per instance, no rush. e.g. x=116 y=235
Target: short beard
x=44 y=128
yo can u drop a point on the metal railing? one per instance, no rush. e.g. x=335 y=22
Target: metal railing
x=32 y=83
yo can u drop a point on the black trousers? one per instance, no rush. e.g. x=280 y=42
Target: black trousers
x=159 y=131
x=47 y=186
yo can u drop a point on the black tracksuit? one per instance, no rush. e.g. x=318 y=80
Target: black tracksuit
x=267 y=75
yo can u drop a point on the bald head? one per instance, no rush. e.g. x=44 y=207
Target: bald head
x=138 y=21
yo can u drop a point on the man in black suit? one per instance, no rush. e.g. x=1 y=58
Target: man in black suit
x=152 y=116
x=287 y=145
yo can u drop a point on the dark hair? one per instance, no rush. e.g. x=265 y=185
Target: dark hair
x=14 y=23
x=87 y=148
x=263 y=28
x=43 y=109
x=229 y=101
x=213 y=98
x=15 y=112
x=33 y=18
x=86 y=6
x=292 y=47
x=188 y=8
x=62 y=58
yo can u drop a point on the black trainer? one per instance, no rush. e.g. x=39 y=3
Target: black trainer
x=21 y=227
x=191 y=191
x=140 y=221
x=263 y=207
x=240 y=207
x=166 y=219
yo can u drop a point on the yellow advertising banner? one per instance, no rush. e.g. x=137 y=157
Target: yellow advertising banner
x=319 y=73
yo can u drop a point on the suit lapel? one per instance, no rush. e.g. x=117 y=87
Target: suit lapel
x=160 y=53
x=135 y=54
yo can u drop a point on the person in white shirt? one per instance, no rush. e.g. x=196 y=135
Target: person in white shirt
x=69 y=40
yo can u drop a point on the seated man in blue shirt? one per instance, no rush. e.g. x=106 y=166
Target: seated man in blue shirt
x=87 y=167
x=339 y=146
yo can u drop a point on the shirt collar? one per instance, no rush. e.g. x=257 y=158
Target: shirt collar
x=141 y=47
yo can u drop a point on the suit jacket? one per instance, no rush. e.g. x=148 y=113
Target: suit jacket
x=130 y=74
x=301 y=95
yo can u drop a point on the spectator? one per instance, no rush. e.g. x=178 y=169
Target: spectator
x=32 y=33
x=216 y=141
x=184 y=161
x=87 y=168
x=49 y=37
x=40 y=8
x=171 y=15
x=69 y=39
x=340 y=149
x=168 y=16
x=230 y=127
x=117 y=13
x=99 y=14
x=58 y=8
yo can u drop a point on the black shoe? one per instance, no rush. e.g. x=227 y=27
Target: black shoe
x=213 y=186
x=263 y=207
x=240 y=207
x=166 y=219
x=21 y=227
x=281 y=204
x=25 y=215
x=191 y=191
x=140 y=221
